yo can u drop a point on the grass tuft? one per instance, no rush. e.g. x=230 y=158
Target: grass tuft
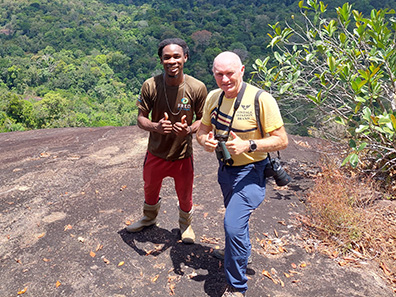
x=351 y=218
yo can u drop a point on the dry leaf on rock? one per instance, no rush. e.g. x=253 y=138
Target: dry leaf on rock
x=385 y=269
x=210 y=240
x=22 y=291
x=172 y=289
x=267 y=274
x=68 y=227
x=154 y=279
x=192 y=274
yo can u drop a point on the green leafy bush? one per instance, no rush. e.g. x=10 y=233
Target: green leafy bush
x=342 y=71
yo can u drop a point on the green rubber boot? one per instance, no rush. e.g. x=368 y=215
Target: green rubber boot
x=185 y=219
x=150 y=213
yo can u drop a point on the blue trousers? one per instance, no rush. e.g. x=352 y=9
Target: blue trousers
x=243 y=189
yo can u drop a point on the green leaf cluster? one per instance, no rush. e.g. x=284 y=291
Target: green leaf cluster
x=344 y=68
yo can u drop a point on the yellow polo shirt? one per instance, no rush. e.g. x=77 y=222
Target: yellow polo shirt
x=244 y=123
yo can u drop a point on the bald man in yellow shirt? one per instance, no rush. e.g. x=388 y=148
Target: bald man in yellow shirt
x=229 y=124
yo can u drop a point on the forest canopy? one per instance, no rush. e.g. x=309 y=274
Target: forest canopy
x=81 y=62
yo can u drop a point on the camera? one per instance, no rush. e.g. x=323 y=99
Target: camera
x=222 y=152
x=274 y=168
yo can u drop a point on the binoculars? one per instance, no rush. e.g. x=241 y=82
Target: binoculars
x=222 y=153
x=272 y=169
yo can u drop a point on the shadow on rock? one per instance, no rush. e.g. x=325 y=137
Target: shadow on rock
x=207 y=269
x=161 y=238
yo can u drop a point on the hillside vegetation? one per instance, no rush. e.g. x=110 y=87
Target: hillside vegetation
x=330 y=66
x=81 y=62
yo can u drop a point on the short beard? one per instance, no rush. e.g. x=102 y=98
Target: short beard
x=172 y=76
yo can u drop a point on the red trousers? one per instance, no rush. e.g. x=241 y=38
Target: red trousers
x=156 y=169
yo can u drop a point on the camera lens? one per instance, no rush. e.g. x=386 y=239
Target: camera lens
x=282 y=178
x=274 y=168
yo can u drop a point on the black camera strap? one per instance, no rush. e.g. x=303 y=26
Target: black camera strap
x=236 y=106
x=257 y=111
x=237 y=103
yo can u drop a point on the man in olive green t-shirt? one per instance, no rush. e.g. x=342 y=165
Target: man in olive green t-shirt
x=174 y=100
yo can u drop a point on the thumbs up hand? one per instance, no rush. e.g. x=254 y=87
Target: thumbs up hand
x=164 y=125
x=181 y=128
x=210 y=142
x=183 y=119
x=236 y=145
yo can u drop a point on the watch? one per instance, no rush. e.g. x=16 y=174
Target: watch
x=252 y=146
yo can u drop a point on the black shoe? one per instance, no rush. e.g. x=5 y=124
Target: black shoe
x=219 y=254
x=232 y=292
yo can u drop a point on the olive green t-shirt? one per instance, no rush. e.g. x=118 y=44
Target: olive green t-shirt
x=186 y=99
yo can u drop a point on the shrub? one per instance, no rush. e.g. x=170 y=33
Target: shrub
x=351 y=220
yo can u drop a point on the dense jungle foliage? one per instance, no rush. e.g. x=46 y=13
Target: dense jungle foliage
x=82 y=62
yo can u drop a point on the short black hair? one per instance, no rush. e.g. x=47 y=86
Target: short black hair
x=178 y=41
